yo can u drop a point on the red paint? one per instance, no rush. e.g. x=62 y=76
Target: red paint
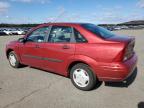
x=104 y=56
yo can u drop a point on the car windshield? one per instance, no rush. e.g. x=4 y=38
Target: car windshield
x=104 y=33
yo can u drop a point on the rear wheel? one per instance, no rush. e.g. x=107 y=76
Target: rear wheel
x=82 y=77
x=13 y=60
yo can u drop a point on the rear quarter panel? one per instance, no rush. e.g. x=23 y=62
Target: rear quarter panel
x=96 y=54
x=100 y=52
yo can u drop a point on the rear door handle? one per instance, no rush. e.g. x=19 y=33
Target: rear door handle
x=66 y=47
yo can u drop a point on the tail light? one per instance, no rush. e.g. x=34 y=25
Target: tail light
x=129 y=51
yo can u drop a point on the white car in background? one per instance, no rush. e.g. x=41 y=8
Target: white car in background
x=13 y=31
x=7 y=31
x=18 y=32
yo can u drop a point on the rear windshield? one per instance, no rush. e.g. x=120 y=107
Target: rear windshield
x=102 y=32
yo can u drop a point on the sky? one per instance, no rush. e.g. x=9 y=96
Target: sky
x=92 y=11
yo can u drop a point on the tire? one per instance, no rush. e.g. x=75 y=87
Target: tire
x=15 y=63
x=83 y=77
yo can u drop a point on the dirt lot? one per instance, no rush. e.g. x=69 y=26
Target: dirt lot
x=32 y=88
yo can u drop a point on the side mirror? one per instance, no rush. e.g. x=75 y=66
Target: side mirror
x=22 y=40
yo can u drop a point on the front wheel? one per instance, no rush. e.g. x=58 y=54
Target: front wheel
x=82 y=77
x=13 y=60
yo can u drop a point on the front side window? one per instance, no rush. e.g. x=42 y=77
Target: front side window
x=38 y=35
x=103 y=33
x=60 y=34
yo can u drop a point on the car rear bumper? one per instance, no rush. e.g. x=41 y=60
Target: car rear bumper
x=116 y=71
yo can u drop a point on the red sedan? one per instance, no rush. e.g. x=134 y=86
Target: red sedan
x=84 y=52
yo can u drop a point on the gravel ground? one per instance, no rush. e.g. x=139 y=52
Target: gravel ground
x=32 y=88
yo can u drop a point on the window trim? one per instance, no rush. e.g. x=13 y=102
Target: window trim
x=45 y=38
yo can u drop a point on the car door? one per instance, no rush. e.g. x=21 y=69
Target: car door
x=32 y=49
x=59 y=49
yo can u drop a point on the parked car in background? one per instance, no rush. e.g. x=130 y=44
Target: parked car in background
x=84 y=52
x=2 y=33
x=26 y=30
x=7 y=31
x=17 y=32
x=12 y=31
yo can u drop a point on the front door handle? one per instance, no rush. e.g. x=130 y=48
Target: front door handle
x=66 y=47
x=37 y=46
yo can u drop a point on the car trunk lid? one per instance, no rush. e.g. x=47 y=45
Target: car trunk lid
x=128 y=47
x=126 y=39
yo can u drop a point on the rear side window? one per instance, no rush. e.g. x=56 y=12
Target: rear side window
x=79 y=37
x=60 y=34
x=99 y=31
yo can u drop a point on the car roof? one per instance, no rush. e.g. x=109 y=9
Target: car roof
x=64 y=23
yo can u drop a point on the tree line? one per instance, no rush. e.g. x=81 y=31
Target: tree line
x=18 y=25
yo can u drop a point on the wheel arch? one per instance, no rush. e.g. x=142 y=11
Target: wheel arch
x=72 y=64
x=8 y=51
x=85 y=60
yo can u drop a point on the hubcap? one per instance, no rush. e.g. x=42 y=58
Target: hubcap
x=12 y=59
x=81 y=77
